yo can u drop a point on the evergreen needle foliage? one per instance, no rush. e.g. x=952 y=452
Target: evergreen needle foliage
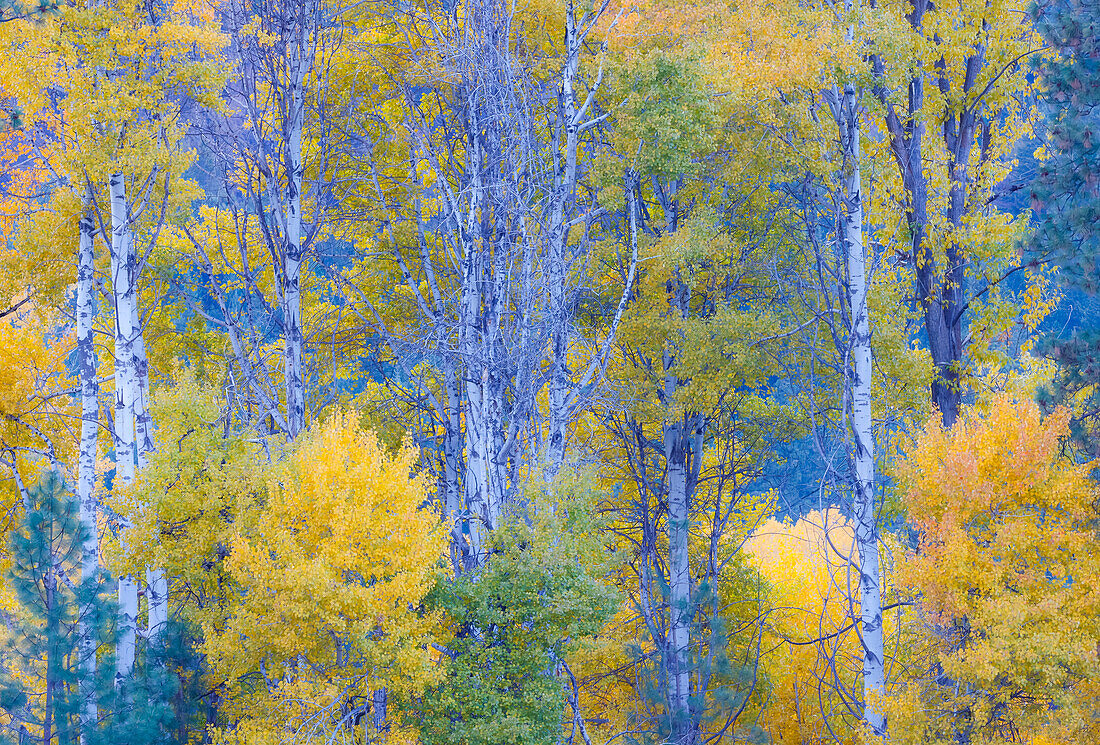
x=1066 y=193
x=40 y=683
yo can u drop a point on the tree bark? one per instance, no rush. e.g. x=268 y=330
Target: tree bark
x=89 y=429
x=846 y=110
x=557 y=236
x=156 y=593
x=123 y=264
x=156 y=584
x=678 y=454
x=940 y=291
x=125 y=298
x=292 y=252
x=143 y=426
x=378 y=710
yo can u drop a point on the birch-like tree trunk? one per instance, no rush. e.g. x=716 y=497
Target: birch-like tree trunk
x=557 y=235
x=125 y=298
x=496 y=268
x=846 y=112
x=682 y=446
x=678 y=454
x=292 y=232
x=156 y=583
x=274 y=111
x=123 y=265
x=89 y=426
x=451 y=468
x=475 y=480
x=156 y=593
x=143 y=423
x=133 y=423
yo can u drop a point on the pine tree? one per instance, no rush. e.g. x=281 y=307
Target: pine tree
x=41 y=665
x=1066 y=194
x=159 y=702
x=40 y=673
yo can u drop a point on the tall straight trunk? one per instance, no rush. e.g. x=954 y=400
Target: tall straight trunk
x=680 y=454
x=143 y=425
x=960 y=134
x=125 y=298
x=474 y=308
x=156 y=593
x=156 y=584
x=858 y=373
x=482 y=517
x=123 y=265
x=681 y=610
x=292 y=254
x=560 y=385
x=89 y=426
x=939 y=291
x=452 y=469
x=476 y=477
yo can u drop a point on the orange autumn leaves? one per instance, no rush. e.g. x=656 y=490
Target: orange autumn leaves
x=994 y=637
x=1007 y=564
x=1000 y=510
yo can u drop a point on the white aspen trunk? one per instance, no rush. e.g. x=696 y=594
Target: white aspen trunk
x=143 y=426
x=565 y=179
x=292 y=255
x=679 y=581
x=452 y=459
x=860 y=422
x=678 y=466
x=89 y=427
x=156 y=584
x=475 y=482
x=494 y=392
x=126 y=648
x=156 y=593
x=125 y=296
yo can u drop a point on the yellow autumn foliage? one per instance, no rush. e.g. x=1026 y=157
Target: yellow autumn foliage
x=330 y=576
x=807 y=565
x=35 y=424
x=1009 y=574
x=811 y=656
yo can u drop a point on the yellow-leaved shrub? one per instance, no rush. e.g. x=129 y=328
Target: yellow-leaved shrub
x=1009 y=573
x=330 y=574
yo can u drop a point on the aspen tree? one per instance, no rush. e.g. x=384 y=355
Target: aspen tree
x=682 y=428
x=490 y=252
x=1007 y=570
x=845 y=103
x=846 y=112
x=87 y=499
x=275 y=107
x=121 y=129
